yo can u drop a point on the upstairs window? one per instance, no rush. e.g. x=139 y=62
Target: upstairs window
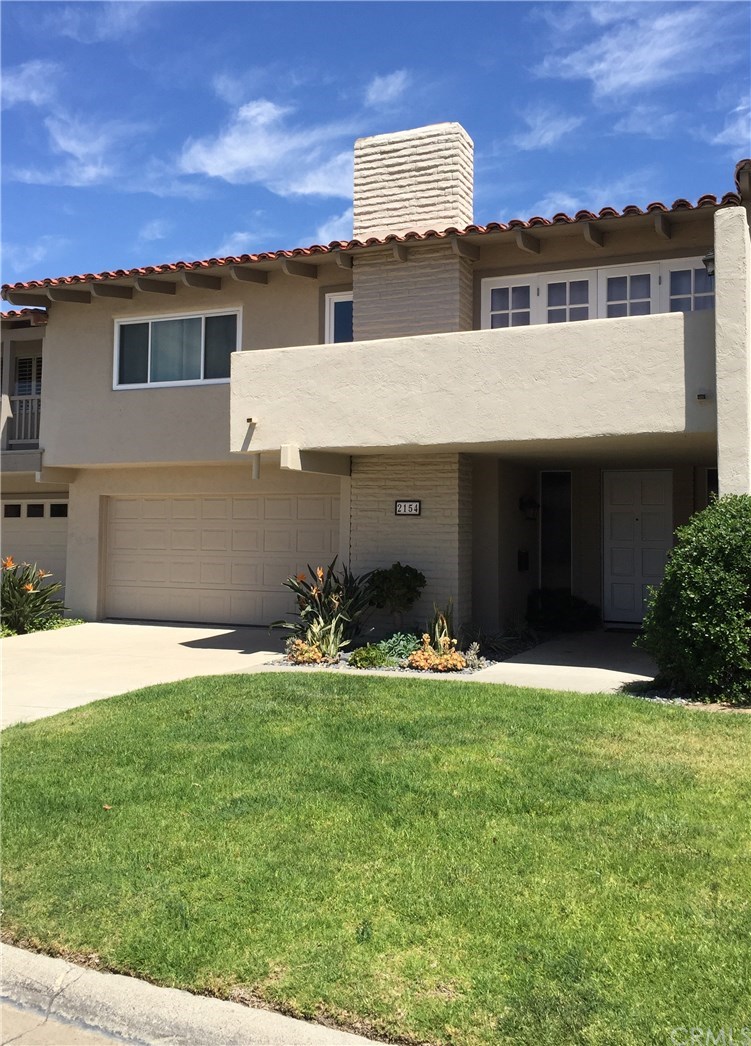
x=339 y=317
x=639 y=289
x=691 y=289
x=175 y=350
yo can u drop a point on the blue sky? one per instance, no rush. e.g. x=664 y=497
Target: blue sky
x=138 y=133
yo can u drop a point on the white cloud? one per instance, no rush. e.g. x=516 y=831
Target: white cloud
x=90 y=150
x=737 y=130
x=639 y=46
x=649 y=121
x=33 y=82
x=235 y=89
x=337 y=227
x=240 y=242
x=385 y=90
x=546 y=126
x=631 y=188
x=260 y=144
x=91 y=23
x=156 y=229
x=20 y=258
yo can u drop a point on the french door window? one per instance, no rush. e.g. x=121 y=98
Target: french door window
x=691 y=289
x=510 y=306
x=614 y=291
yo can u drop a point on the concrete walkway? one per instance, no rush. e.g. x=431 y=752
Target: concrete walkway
x=49 y=672
x=106 y=1005
x=586 y=662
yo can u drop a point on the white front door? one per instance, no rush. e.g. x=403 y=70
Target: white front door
x=637 y=536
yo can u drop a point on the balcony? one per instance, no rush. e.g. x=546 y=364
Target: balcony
x=482 y=390
x=23 y=424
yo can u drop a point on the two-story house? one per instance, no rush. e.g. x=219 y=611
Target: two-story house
x=508 y=407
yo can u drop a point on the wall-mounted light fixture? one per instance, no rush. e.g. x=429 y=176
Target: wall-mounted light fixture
x=530 y=507
x=708 y=261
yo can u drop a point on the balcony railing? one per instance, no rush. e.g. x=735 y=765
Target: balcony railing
x=23 y=426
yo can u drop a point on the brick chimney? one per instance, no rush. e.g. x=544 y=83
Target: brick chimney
x=413 y=180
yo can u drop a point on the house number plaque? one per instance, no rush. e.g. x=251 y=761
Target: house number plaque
x=407 y=508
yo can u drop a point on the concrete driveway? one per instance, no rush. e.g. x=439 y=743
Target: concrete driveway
x=49 y=672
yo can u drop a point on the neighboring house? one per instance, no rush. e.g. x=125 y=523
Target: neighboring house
x=34 y=522
x=556 y=395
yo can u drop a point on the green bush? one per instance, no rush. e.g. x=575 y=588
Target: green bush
x=400 y=645
x=28 y=605
x=698 y=623
x=371 y=656
x=396 y=589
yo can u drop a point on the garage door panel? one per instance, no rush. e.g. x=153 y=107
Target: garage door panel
x=279 y=508
x=184 y=539
x=215 y=508
x=227 y=569
x=40 y=540
x=279 y=540
x=246 y=540
x=155 y=539
x=214 y=540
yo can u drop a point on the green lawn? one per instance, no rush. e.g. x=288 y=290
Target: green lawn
x=435 y=861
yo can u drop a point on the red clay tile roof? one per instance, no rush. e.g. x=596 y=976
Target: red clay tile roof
x=35 y=315
x=728 y=200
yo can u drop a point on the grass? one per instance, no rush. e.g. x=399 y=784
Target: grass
x=435 y=861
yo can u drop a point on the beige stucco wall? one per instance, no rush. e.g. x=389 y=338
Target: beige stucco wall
x=88 y=506
x=438 y=542
x=86 y=422
x=733 y=339
x=603 y=377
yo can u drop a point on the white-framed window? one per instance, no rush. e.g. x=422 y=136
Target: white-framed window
x=690 y=288
x=628 y=290
x=338 y=319
x=28 y=377
x=558 y=297
x=185 y=349
x=679 y=285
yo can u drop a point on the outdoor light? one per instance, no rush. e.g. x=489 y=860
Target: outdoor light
x=530 y=507
x=708 y=261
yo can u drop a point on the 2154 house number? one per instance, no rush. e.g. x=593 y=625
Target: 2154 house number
x=407 y=508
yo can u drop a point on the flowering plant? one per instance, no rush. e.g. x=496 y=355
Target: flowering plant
x=27 y=604
x=331 y=607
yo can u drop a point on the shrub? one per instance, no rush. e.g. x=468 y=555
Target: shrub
x=472 y=657
x=428 y=659
x=331 y=607
x=400 y=645
x=396 y=589
x=698 y=622
x=371 y=656
x=440 y=628
x=301 y=653
x=27 y=604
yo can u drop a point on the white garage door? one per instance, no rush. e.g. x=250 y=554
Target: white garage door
x=214 y=559
x=36 y=531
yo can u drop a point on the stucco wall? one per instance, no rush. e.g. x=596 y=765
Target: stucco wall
x=87 y=511
x=85 y=422
x=603 y=377
x=438 y=542
x=733 y=339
